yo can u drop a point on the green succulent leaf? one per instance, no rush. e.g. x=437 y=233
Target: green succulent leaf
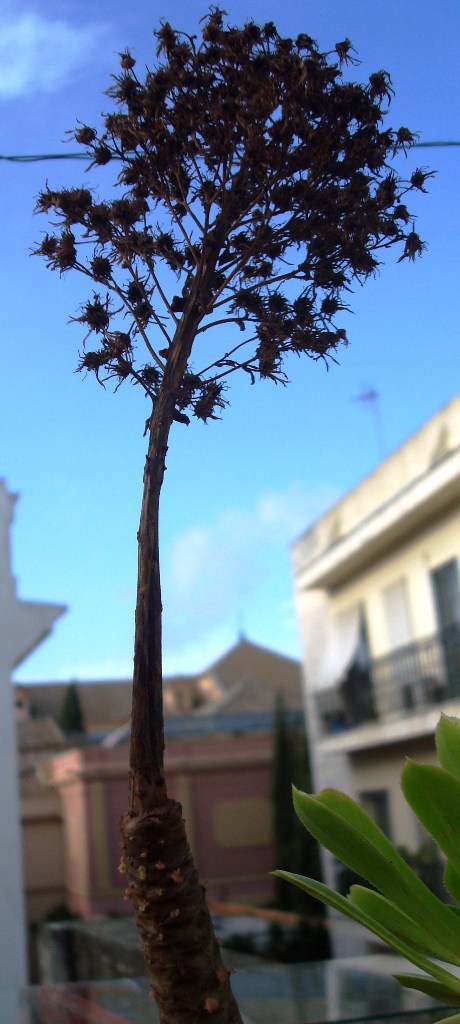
x=434 y=795
x=448 y=744
x=419 y=936
x=403 y=912
x=435 y=989
x=351 y=835
x=337 y=822
x=348 y=909
x=452 y=881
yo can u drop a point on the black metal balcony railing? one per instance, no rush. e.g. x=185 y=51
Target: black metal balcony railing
x=411 y=678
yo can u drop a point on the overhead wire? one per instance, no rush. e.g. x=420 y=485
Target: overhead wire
x=35 y=157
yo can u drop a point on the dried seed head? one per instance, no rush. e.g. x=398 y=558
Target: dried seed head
x=413 y=247
x=127 y=62
x=405 y=137
x=312 y=165
x=85 y=135
x=74 y=204
x=343 y=51
x=48 y=248
x=102 y=154
x=96 y=315
x=66 y=253
x=380 y=85
x=419 y=177
x=101 y=268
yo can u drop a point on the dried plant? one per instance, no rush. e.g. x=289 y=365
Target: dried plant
x=255 y=188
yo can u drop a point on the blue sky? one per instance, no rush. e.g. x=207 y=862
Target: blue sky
x=238 y=491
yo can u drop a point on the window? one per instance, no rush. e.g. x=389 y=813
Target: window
x=401 y=671
x=447 y=593
x=397 y=615
x=340 y=649
x=356 y=687
x=446 y=588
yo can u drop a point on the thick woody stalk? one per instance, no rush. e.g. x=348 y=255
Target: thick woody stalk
x=189 y=980
x=147 y=782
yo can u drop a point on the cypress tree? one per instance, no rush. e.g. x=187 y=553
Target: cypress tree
x=71 y=718
x=294 y=846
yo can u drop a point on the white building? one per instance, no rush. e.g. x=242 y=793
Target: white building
x=378 y=597
x=23 y=625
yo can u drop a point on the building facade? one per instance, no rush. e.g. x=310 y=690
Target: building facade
x=219 y=766
x=23 y=625
x=223 y=783
x=377 y=584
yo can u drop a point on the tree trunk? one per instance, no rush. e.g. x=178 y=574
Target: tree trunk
x=184 y=965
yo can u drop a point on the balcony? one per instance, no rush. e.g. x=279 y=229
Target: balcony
x=412 y=678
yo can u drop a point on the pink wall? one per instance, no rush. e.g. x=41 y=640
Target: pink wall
x=227 y=784
x=224 y=786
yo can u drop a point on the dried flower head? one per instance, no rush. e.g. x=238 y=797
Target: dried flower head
x=255 y=188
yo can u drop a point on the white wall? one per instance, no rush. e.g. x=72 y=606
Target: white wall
x=419 y=484
x=23 y=624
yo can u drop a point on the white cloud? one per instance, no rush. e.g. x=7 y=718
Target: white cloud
x=218 y=577
x=213 y=572
x=195 y=654
x=38 y=55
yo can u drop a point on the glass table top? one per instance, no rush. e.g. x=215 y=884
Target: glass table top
x=341 y=990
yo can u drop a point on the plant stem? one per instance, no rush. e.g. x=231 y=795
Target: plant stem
x=184 y=965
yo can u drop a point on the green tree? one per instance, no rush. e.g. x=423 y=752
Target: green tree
x=255 y=187
x=71 y=718
x=293 y=844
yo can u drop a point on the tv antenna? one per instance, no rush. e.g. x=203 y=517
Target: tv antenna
x=371 y=397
